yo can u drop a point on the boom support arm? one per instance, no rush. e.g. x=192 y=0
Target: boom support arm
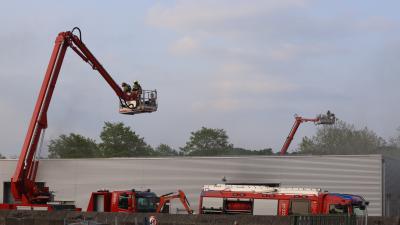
x=328 y=118
x=23 y=186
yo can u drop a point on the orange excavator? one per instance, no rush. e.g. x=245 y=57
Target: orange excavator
x=321 y=119
x=133 y=201
x=27 y=193
x=166 y=199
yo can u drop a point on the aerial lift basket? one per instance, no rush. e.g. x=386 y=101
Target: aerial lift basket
x=326 y=119
x=145 y=103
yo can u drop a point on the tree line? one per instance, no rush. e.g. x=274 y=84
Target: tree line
x=344 y=139
x=119 y=140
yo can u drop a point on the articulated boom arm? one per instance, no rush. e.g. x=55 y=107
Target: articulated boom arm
x=23 y=184
x=164 y=199
x=328 y=118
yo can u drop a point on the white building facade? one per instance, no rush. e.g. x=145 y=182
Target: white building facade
x=373 y=176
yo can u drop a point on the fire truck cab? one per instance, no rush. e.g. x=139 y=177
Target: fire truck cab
x=123 y=201
x=282 y=201
x=133 y=201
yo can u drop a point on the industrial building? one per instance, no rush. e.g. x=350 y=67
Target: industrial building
x=375 y=177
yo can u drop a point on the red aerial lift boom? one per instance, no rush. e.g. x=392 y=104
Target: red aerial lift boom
x=328 y=118
x=23 y=186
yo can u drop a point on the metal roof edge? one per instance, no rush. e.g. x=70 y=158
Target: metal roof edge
x=214 y=157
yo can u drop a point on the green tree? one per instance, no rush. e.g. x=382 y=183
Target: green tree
x=395 y=141
x=2 y=157
x=393 y=148
x=119 y=140
x=165 y=150
x=342 y=138
x=73 y=146
x=207 y=142
x=242 y=151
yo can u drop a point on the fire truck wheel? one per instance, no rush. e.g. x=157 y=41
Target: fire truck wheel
x=153 y=220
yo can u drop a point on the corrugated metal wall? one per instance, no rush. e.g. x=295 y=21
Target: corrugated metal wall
x=391 y=186
x=75 y=179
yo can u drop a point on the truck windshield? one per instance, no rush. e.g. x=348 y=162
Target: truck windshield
x=338 y=209
x=146 y=204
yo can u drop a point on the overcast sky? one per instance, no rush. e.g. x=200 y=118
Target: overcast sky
x=244 y=66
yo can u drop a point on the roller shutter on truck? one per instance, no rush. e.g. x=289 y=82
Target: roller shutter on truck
x=265 y=207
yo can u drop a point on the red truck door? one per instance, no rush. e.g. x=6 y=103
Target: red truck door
x=283 y=208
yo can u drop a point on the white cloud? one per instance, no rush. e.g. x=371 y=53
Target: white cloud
x=217 y=104
x=189 y=14
x=228 y=104
x=240 y=29
x=185 y=45
x=237 y=86
x=243 y=78
x=376 y=24
x=285 y=51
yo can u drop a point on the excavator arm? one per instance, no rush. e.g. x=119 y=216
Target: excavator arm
x=23 y=186
x=164 y=199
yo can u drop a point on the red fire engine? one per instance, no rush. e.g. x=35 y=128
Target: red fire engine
x=282 y=201
x=133 y=201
